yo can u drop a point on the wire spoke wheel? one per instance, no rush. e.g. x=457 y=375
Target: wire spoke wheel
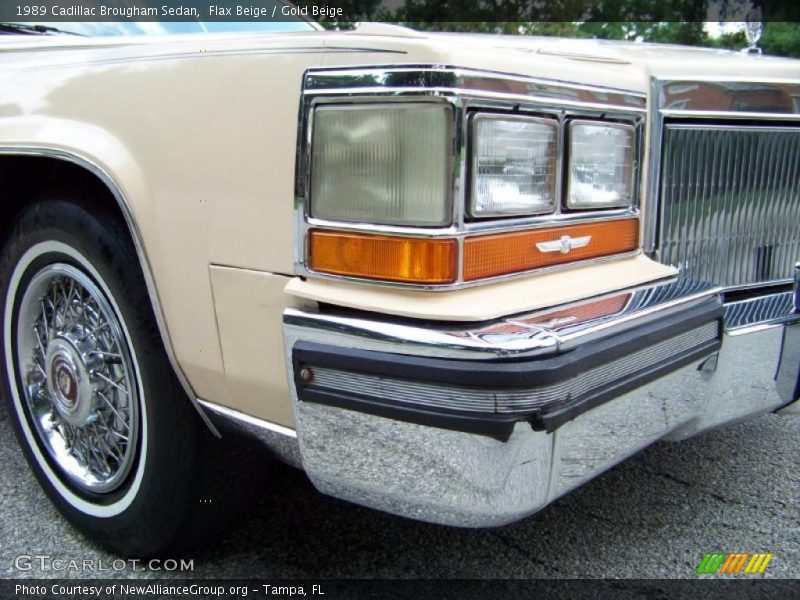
x=98 y=411
x=78 y=378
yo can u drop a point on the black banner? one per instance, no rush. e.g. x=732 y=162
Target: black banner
x=405 y=11
x=75 y=589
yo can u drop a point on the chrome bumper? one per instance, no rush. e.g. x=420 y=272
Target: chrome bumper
x=483 y=426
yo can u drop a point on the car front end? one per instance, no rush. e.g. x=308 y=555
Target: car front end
x=514 y=283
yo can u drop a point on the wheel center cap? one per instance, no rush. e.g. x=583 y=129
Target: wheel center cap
x=68 y=383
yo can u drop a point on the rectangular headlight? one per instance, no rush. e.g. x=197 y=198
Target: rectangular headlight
x=600 y=165
x=514 y=165
x=384 y=164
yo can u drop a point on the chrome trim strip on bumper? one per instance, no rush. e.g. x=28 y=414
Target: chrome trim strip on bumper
x=489 y=397
x=473 y=480
x=499 y=400
x=536 y=334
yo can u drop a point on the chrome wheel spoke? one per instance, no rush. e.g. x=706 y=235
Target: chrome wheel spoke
x=114 y=384
x=113 y=409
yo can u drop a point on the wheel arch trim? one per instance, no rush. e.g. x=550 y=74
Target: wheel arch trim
x=114 y=188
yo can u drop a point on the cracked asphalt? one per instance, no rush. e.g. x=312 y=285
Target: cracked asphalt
x=654 y=516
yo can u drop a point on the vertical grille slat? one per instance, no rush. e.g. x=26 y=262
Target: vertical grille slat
x=730 y=202
x=785 y=212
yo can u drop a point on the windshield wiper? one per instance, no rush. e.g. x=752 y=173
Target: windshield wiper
x=33 y=29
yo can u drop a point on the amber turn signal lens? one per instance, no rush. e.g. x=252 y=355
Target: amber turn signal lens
x=390 y=258
x=504 y=253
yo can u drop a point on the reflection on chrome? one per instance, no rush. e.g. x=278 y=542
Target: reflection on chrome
x=469 y=480
x=410 y=77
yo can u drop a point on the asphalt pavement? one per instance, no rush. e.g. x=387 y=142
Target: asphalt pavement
x=735 y=489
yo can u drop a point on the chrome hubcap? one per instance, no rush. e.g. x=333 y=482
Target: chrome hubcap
x=69 y=383
x=79 y=378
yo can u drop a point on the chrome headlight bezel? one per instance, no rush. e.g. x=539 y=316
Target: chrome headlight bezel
x=467 y=93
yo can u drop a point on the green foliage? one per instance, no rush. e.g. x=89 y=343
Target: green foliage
x=781 y=38
x=669 y=32
x=663 y=21
x=729 y=41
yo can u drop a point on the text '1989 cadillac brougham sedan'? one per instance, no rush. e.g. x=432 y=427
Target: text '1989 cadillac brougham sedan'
x=451 y=277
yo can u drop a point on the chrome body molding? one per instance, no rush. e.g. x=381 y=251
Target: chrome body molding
x=464 y=91
x=455 y=80
x=715 y=98
x=460 y=477
x=279 y=440
x=108 y=180
x=703 y=100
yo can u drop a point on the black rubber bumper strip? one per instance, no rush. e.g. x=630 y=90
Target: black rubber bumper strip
x=504 y=374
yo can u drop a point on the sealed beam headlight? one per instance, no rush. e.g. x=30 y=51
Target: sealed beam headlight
x=600 y=165
x=385 y=164
x=514 y=164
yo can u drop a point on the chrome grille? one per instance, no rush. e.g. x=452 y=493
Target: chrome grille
x=730 y=202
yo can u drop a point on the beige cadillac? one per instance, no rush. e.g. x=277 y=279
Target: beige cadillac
x=451 y=277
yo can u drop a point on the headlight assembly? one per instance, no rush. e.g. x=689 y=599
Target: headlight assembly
x=379 y=178
x=383 y=164
x=600 y=165
x=514 y=166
